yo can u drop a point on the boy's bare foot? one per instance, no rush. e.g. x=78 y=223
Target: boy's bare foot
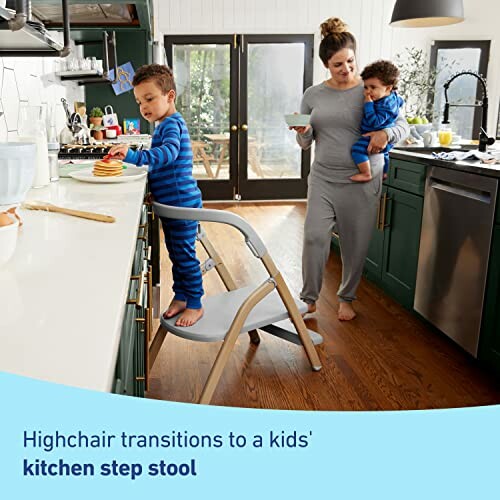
x=384 y=176
x=189 y=317
x=311 y=308
x=175 y=307
x=346 y=311
x=362 y=177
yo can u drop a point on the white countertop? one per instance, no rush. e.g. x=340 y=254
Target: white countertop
x=62 y=295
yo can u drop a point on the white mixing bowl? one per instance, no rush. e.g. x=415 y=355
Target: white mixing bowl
x=17 y=170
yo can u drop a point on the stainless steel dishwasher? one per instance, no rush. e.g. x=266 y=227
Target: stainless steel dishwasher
x=455 y=242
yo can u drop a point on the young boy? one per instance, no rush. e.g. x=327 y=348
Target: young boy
x=381 y=109
x=170 y=161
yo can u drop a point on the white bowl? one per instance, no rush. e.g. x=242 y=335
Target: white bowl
x=8 y=240
x=17 y=170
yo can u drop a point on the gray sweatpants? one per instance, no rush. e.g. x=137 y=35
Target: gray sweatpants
x=351 y=208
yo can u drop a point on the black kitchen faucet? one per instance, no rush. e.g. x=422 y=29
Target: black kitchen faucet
x=484 y=140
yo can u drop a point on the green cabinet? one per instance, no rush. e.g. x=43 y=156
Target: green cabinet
x=131 y=371
x=393 y=253
x=489 y=341
x=401 y=244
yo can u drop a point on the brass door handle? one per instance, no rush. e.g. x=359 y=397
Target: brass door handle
x=234 y=128
x=244 y=127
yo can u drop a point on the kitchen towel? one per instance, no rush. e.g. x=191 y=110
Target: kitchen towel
x=465 y=155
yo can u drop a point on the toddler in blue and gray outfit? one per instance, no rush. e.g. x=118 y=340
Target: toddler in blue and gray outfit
x=381 y=109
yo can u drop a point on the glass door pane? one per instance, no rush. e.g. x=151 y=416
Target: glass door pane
x=275 y=71
x=275 y=88
x=202 y=73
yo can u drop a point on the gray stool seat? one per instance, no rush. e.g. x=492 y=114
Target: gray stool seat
x=220 y=311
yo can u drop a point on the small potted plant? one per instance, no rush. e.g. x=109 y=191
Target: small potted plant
x=97 y=131
x=95 y=116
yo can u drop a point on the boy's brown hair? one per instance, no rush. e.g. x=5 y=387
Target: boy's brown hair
x=385 y=71
x=162 y=76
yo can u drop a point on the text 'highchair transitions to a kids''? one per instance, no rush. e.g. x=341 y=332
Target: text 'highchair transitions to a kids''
x=269 y=307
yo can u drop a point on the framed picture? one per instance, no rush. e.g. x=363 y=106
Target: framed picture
x=132 y=126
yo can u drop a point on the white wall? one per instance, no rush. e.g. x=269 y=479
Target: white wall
x=32 y=80
x=368 y=19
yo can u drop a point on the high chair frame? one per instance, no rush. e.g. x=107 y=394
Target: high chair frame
x=254 y=307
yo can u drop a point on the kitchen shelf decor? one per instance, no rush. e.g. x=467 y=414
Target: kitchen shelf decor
x=109 y=72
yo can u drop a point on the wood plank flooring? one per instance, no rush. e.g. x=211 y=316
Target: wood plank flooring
x=386 y=359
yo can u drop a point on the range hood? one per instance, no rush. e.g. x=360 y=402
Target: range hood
x=88 y=14
x=21 y=36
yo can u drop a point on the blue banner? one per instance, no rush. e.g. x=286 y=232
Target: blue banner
x=59 y=442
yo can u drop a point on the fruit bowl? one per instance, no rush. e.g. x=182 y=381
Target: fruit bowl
x=421 y=128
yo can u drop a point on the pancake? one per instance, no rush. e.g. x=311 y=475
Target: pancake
x=109 y=168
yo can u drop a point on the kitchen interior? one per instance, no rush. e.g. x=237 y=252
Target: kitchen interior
x=84 y=273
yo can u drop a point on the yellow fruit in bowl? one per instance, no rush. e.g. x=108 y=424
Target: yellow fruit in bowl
x=418 y=121
x=425 y=121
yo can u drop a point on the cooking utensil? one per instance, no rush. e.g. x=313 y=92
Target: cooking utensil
x=48 y=207
x=66 y=109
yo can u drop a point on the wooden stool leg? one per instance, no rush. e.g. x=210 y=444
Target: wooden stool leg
x=218 y=366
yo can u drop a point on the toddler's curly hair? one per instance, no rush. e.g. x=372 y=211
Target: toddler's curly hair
x=162 y=76
x=385 y=71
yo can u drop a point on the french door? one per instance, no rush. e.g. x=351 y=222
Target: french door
x=233 y=91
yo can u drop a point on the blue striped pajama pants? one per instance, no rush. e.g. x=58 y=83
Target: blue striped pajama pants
x=359 y=152
x=180 y=239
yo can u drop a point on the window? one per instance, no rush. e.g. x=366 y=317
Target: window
x=448 y=58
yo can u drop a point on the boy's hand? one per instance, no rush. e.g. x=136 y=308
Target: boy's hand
x=368 y=97
x=119 y=151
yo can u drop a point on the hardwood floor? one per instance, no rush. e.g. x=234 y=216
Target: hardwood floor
x=385 y=359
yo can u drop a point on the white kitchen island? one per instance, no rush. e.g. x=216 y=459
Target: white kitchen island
x=63 y=294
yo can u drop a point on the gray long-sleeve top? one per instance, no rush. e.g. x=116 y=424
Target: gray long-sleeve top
x=335 y=126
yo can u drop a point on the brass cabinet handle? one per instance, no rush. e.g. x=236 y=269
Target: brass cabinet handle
x=381 y=225
x=244 y=127
x=144 y=236
x=378 y=212
x=141 y=278
x=234 y=128
x=384 y=225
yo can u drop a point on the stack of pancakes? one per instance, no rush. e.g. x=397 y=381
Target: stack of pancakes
x=108 y=168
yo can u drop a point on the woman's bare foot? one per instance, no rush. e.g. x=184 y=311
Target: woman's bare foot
x=175 y=307
x=189 y=317
x=346 y=312
x=311 y=308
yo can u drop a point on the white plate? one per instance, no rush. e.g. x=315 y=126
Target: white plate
x=129 y=174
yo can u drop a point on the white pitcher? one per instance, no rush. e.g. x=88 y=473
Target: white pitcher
x=430 y=138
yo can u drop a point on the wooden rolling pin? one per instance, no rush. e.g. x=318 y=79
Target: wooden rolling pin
x=48 y=207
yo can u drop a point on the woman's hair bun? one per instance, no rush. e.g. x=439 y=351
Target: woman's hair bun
x=333 y=25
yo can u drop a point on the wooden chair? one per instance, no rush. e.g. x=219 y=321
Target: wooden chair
x=268 y=307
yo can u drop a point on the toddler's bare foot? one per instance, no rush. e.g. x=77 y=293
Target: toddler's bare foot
x=175 y=307
x=384 y=177
x=189 y=317
x=362 y=177
x=311 y=308
x=346 y=311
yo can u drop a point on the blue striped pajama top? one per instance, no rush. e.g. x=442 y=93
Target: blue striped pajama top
x=170 y=161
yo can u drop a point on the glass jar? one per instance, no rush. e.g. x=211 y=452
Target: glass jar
x=33 y=129
x=445 y=136
x=53 y=148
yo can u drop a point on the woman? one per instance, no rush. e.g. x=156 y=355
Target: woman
x=336 y=109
